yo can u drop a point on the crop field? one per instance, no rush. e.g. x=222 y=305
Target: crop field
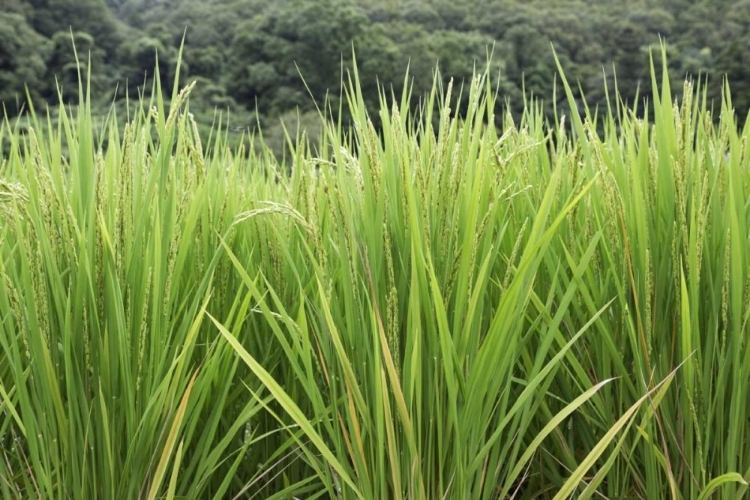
x=429 y=308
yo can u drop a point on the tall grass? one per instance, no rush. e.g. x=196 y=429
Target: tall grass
x=435 y=309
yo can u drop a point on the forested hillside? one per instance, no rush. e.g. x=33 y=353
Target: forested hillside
x=248 y=55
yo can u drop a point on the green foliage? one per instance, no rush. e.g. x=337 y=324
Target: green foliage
x=437 y=308
x=90 y=16
x=146 y=55
x=23 y=54
x=270 y=56
x=63 y=65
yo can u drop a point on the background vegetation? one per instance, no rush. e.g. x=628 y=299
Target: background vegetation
x=248 y=55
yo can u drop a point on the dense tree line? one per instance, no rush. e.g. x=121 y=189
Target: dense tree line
x=248 y=55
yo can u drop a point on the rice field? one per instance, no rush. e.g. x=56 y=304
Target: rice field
x=435 y=309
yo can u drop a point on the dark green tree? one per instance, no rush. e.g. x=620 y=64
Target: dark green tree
x=23 y=55
x=140 y=60
x=88 y=16
x=63 y=68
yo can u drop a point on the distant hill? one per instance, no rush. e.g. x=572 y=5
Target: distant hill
x=248 y=54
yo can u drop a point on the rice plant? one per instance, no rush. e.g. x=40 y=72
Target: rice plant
x=434 y=308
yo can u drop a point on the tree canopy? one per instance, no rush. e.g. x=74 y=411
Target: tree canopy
x=281 y=56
